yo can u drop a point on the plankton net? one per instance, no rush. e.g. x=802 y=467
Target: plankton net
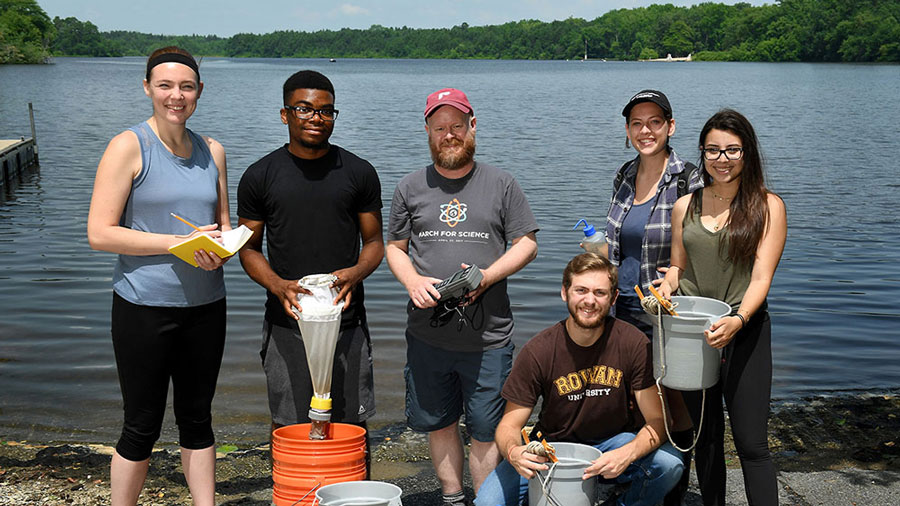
x=320 y=323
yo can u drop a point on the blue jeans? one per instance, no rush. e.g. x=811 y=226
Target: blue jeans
x=651 y=477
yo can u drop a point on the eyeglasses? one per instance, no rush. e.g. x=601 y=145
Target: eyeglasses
x=303 y=112
x=731 y=153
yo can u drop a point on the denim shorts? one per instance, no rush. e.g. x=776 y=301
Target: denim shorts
x=441 y=385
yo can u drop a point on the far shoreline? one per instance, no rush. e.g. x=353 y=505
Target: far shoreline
x=338 y=59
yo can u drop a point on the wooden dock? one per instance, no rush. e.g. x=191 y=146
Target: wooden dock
x=18 y=154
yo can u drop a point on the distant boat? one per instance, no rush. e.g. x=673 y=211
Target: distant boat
x=332 y=60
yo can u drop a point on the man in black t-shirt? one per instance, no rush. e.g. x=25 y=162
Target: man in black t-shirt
x=315 y=202
x=585 y=368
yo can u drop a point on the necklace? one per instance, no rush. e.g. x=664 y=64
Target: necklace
x=716 y=195
x=715 y=211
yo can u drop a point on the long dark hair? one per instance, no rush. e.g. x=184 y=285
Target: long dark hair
x=749 y=210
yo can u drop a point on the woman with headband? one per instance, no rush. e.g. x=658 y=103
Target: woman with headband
x=168 y=317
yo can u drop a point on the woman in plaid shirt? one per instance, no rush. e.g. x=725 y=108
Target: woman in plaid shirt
x=639 y=226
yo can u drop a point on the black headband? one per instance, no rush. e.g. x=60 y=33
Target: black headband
x=174 y=58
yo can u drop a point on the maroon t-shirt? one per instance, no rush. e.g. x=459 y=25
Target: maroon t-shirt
x=585 y=390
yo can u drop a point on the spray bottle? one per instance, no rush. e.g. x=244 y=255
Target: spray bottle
x=593 y=241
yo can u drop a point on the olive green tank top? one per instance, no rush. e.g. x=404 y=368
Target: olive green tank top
x=708 y=272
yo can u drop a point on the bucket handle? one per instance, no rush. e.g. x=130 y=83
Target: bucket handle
x=662 y=400
x=315 y=500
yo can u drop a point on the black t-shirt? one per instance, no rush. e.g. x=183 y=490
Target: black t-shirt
x=311 y=212
x=585 y=390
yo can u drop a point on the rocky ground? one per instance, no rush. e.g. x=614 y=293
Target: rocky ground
x=860 y=432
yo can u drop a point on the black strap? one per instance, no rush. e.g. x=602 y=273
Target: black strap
x=684 y=179
x=620 y=176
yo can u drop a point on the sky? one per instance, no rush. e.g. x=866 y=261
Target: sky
x=227 y=17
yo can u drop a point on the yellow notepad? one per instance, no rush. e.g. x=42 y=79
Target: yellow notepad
x=232 y=240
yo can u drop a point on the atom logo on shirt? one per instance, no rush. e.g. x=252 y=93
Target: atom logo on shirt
x=453 y=212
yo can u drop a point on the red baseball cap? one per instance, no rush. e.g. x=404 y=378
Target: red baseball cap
x=447 y=96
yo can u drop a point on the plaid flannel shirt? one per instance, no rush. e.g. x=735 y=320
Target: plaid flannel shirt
x=656 y=245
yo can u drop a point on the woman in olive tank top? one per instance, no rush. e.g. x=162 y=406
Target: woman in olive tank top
x=727 y=240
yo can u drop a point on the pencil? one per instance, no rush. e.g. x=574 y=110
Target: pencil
x=637 y=288
x=185 y=221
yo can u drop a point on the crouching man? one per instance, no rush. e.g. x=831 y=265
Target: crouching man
x=584 y=369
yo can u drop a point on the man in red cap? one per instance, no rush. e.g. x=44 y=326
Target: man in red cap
x=451 y=214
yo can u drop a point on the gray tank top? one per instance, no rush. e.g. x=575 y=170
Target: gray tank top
x=169 y=184
x=708 y=272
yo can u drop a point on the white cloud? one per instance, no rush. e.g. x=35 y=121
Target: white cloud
x=353 y=10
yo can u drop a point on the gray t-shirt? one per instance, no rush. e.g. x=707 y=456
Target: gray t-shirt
x=452 y=221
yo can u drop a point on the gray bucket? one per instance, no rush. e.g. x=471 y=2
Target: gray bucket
x=565 y=485
x=359 y=493
x=685 y=361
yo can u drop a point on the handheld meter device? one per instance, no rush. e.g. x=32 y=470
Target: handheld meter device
x=460 y=283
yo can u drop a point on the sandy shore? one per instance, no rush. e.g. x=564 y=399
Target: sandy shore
x=857 y=432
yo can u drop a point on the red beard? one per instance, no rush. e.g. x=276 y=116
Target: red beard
x=449 y=156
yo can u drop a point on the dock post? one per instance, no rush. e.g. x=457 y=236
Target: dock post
x=33 y=134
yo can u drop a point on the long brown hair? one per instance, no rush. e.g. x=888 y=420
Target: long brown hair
x=749 y=210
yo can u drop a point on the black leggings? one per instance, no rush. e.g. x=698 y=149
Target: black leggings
x=152 y=346
x=746 y=383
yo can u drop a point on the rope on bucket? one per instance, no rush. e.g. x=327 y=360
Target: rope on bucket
x=653 y=306
x=543 y=449
x=545 y=483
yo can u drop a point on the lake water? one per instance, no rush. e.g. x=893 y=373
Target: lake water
x=829 y=133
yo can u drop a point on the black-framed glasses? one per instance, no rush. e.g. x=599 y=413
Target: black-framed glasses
x=303 y=112
x=731 y=153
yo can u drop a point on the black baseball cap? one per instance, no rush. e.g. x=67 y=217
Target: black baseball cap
x=657 y=97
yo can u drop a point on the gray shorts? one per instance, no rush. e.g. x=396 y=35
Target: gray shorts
x=289 y=384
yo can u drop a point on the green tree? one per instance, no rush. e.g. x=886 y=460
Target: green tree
x=648 y=53
x=637 y=49
x=26 y=32
x=74 y=37
x=868 y=36
x=678 y=40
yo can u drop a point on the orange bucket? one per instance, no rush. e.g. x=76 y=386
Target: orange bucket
x=300 y=465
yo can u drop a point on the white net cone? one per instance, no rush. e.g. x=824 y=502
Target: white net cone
x=320 y=323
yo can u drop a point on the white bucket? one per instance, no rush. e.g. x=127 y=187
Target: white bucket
x=684 y=360
x=359 y=493
x=563 y=481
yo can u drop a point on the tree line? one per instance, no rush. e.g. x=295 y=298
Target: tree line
x=789 y=30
